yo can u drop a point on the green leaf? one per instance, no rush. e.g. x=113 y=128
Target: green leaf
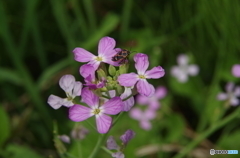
x=17 y=151
x=10 y=76
x=5 y=126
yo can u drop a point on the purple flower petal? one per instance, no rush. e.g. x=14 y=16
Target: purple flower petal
x=67 y=82
x=113 y=106
x=141 y=63
x=234 y=101
x=77 y=89
x=160 y=92
x=103 y=123
x=154 y=105
x=127 y=104
x=136 y=113
x=145 y=124
x=237 y=91
x=144 y=88
x=182 y=59
x=149 y=114
x=222 y=96
x=89 y=97
x=94 y=63
x=111 y=143
x=236 y=70
x=67 y=103
x=55 y=102
x=106 y=46
x=64 y=138
x=118 y=154
x=155 y=72
x=86 y=70
x=128 y=80
x=79 y=113
x=229 y=87
x=127 y=136
x=82 y=55
x=141 y=99
x=193 y=70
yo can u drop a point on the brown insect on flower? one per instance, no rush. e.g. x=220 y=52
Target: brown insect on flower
x=121 y=56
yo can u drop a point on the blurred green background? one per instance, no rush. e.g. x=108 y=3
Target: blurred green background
x=37 y=37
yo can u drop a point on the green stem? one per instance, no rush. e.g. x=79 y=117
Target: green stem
x=206 y=133
x=97 y=147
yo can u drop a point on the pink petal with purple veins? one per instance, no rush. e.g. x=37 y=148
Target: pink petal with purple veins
x=136 y=113
x=113 y=106
x=86 y=70
x=82 y=55
x=55 y=102
x=103 y=123
x=89 y=97
x=160 y=92
x=127 y=104
x=67 y=83
x=222 y=96
x=79 y=113
x=182 y=59
x=236 y=70
x=144 y=88
x=95 y=64
x=145 y=124
x=155 y=72
x=106 y=46
x=141 y=63
x=128 y=80
x=77 y=89
x=193 y=70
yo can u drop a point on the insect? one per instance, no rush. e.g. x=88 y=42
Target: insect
x=121 y=56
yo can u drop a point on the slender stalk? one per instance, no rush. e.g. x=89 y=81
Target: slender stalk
x=208 y=132
x=97 y=147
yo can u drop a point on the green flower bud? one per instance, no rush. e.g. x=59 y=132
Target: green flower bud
x=112 y=70
x=119 y=89
x=101 y=74
x=123 y=68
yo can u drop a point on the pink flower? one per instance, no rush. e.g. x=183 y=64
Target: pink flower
x=79 y=113
x=88 y=72
x=105 y=53
x=141 y=64
x=72 y=89
x=231 y=94
x=127 y=104
x=236 y=70
x=143 y=117
x=153 y=102
x=182 y=71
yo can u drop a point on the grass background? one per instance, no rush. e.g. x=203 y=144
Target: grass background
x=36 y=40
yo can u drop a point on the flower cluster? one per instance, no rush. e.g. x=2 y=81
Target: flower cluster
x=108 y=88
x=152 y=105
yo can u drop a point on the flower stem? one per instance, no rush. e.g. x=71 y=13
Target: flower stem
x=97 y=147
x=206 y=133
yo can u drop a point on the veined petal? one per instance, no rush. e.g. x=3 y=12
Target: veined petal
x=77 y=89
x=89 y=97
x=103 y=123
x=67 y=82
x=86 y=70
x=106 y=46
x=82 y=55
x=128 y=80
x=54 y=101
x=127 y=136
x=155 y=72
x=111 y=143
x=67 y=103
x=79 y=113
x=141 y=63
x=127 y=104
x=95 y=64
x=113 y=106
x=193 y=70
x=145 y=88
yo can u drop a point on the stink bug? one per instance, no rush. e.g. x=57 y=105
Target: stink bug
x=121 y=56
